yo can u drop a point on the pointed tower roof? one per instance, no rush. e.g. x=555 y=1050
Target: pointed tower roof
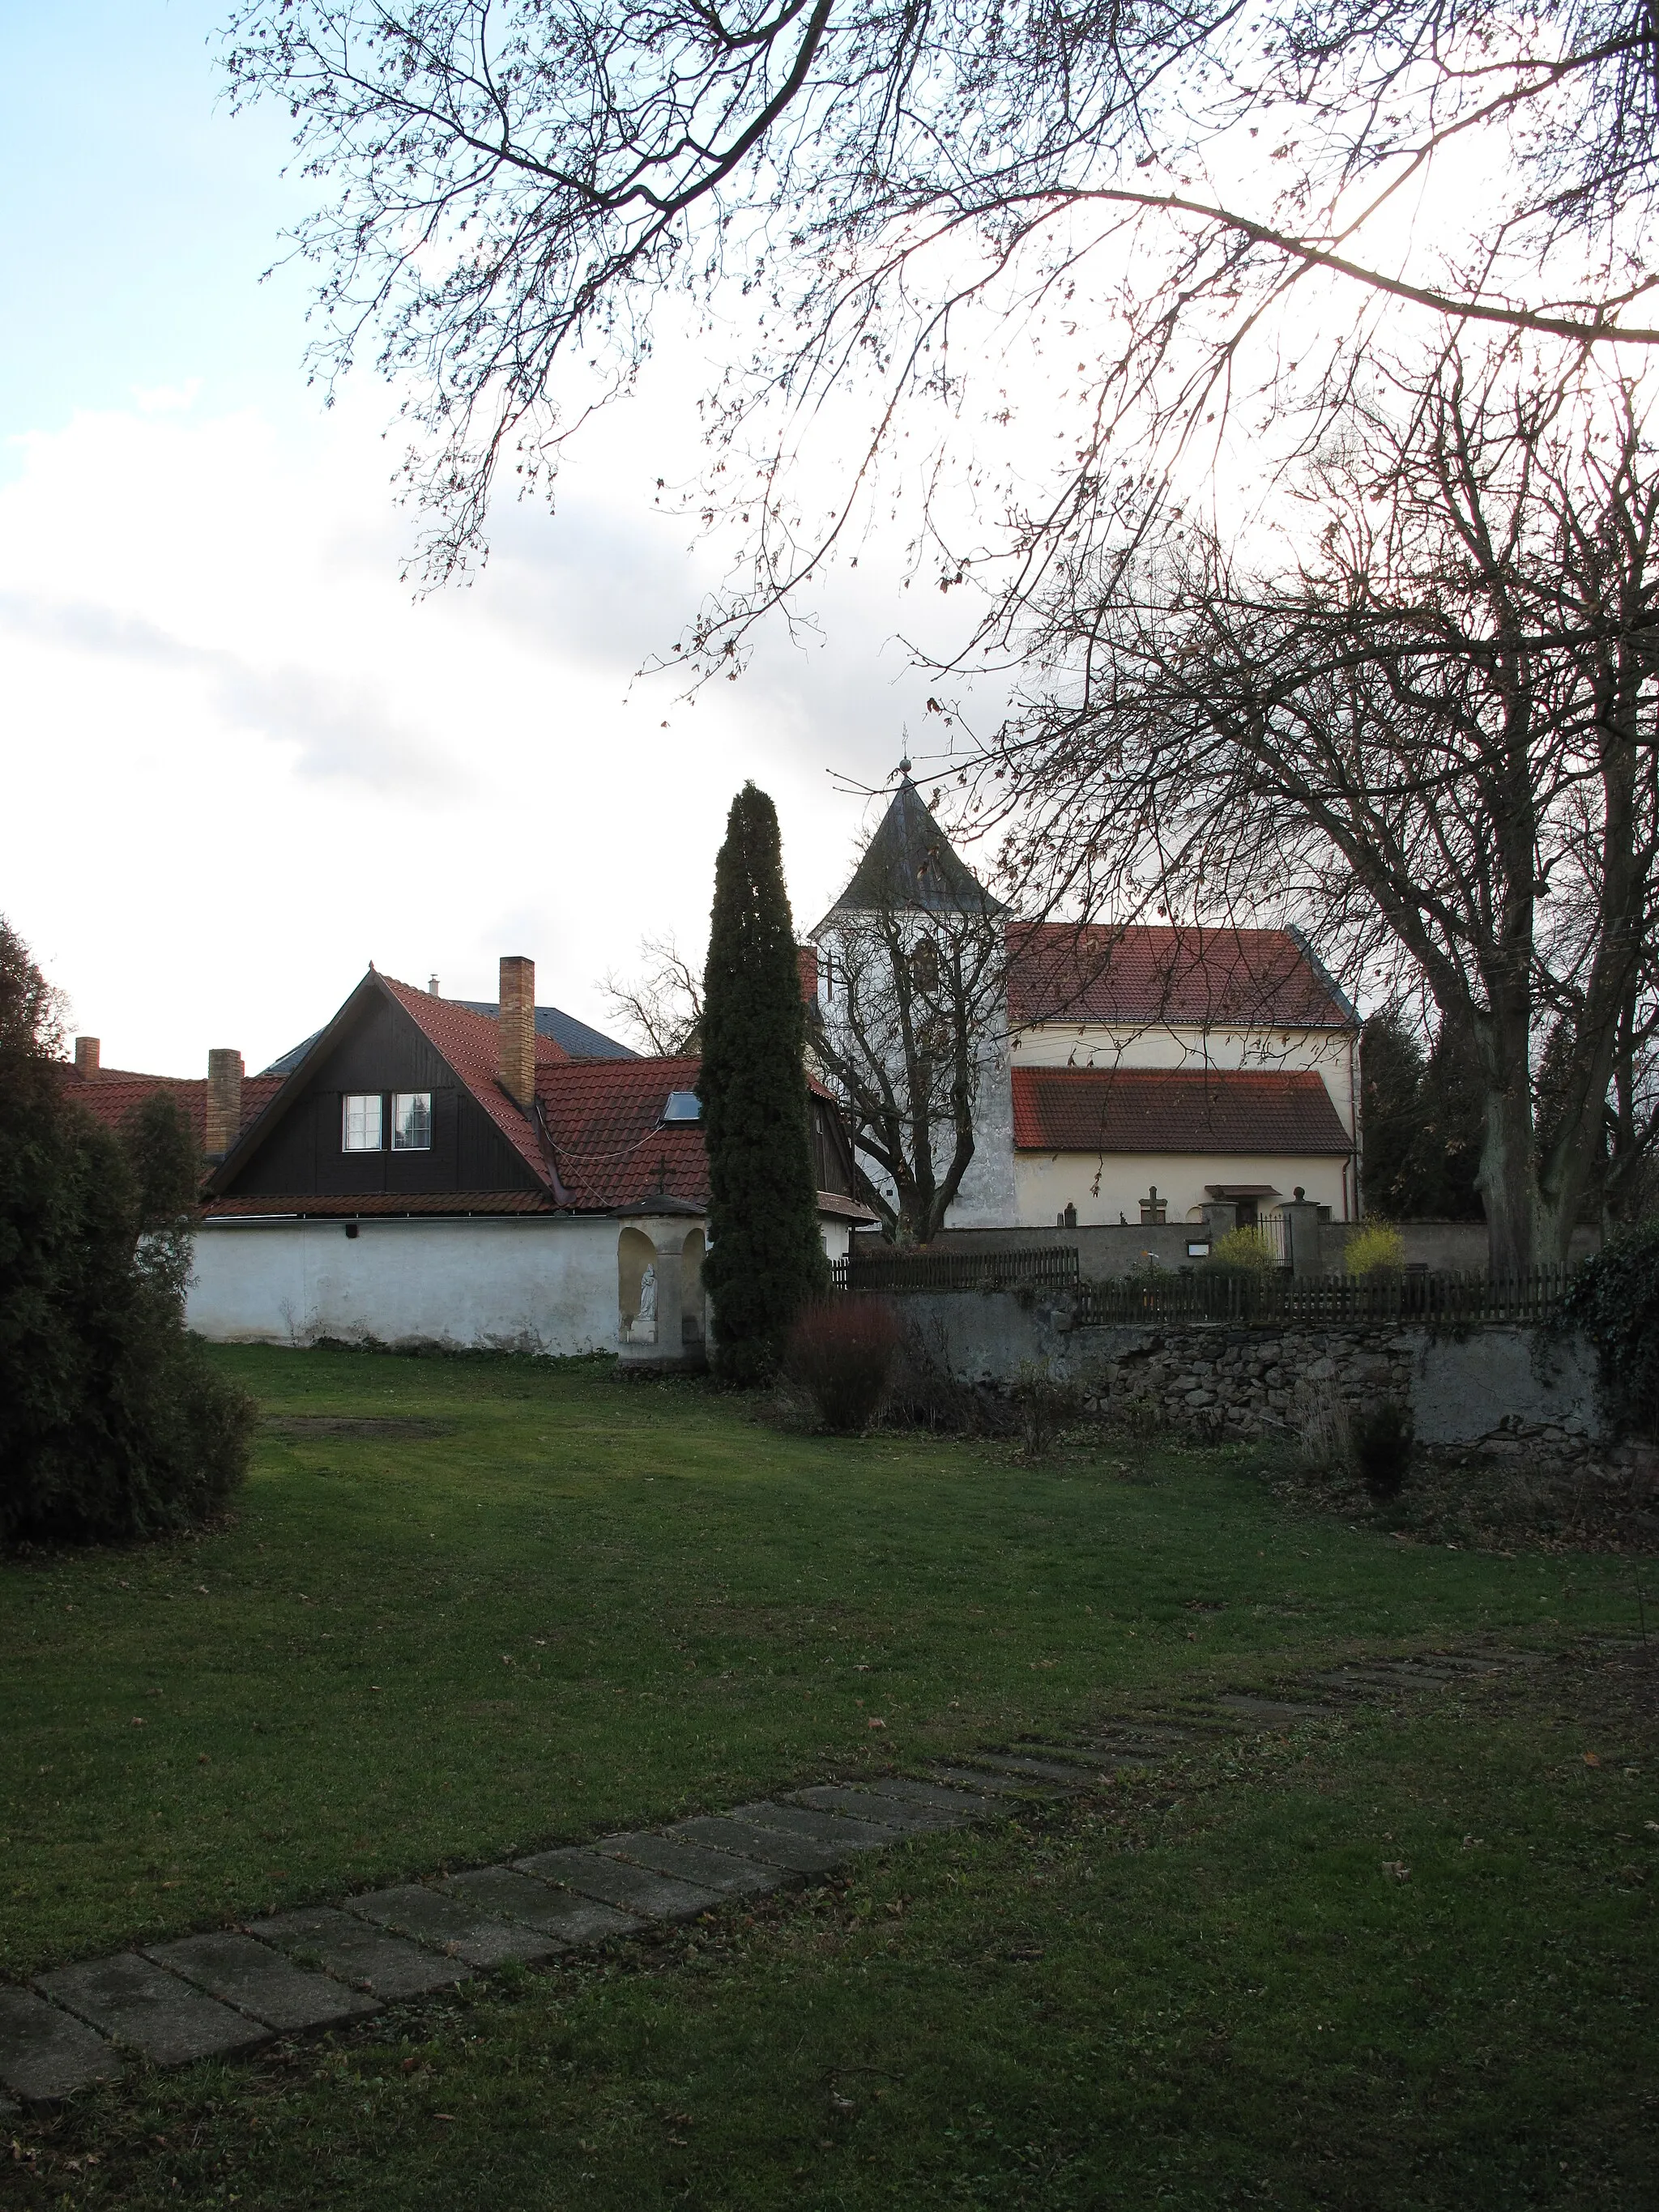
x=910 y=865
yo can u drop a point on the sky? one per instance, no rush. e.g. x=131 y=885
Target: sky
x=242 y=760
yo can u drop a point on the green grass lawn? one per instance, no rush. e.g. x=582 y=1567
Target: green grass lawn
x=578 y=1605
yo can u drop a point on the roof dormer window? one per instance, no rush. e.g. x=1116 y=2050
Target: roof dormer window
x=361 y=1122
x=683 y=1106
x=411 y=1121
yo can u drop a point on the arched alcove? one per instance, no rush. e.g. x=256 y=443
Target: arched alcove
x=636 y=1258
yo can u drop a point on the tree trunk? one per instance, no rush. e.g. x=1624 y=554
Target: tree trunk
x=1508 y=1180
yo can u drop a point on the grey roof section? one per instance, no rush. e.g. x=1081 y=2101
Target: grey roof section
x=908 y=866
x=1303 y=944
x=291 y=1059
x=577 y=1039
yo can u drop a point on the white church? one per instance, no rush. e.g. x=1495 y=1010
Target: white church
x=1133 y=1074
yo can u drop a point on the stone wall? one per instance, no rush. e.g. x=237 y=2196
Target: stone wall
x=1217 y=1379
x=1247 y=1382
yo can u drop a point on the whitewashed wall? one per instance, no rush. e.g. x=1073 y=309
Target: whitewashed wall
x=1048 y=1183
x=546 y=1285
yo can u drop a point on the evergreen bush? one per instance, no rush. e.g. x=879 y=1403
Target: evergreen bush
x=766 y=1258
x=1614 y=1297
x=112 y=1422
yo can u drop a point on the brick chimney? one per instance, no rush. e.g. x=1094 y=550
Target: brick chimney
x=515 y=1030
x=224 y=1101
x=86 y=1055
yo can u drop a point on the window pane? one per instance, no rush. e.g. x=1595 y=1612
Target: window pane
x=363 y=1123
x=411 y=1121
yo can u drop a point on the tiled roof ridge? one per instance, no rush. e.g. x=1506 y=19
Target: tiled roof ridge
x=467 y=1043
x=1185 y=973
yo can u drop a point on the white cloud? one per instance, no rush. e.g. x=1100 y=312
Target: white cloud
x=243 y=760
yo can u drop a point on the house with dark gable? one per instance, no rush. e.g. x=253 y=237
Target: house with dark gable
x=429 y=1168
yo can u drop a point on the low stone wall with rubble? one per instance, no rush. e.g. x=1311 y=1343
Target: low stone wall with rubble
x=1492 y=1382
x=1242 y=1381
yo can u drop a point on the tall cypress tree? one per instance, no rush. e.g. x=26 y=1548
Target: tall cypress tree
x=766 y=1258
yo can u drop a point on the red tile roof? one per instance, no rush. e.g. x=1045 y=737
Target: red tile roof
x=606 y=1147
x=1059 y=972
x=604 y=1118
x=1102 y=1109
x=113 y=1095
x=468 y=1042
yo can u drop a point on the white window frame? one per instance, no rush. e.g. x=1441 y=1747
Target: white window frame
x=400 y=1143
x=360 y=1100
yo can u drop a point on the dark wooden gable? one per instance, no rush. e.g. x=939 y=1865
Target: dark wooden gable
x=298 y=1151
x=832 y=1153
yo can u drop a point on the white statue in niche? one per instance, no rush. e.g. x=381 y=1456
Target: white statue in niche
x=644 y=1327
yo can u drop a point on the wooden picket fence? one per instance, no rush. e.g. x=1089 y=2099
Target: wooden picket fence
x=1045 y=1267
x=1447 y=1297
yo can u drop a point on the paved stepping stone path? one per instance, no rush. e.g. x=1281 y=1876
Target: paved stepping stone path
x=217 y=1995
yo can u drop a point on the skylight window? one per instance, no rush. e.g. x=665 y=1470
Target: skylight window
x=683 y=1106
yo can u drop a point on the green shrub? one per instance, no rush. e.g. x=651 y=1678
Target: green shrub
x=1242 y=1252
x=112 y=1422
x=1380 y=1438
x=1614 y=1297
x=1375 y=1249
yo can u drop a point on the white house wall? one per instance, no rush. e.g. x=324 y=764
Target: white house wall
x=546 y=1285
x=1329 y=1053
x=1046 y=1183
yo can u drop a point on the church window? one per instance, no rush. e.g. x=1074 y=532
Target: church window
x=362 y=1130
x=411 y=1121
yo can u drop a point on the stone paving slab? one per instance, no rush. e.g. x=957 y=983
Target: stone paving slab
x=257 y=1979
x=45 y=2054
x=558 y=1898
x=1089 y=1758
x=558 y=1913
x=1040 y=1770
x=908 y=1817
x=722 y=1832
x=1098 y=1751
x=864 y=1835
x=1284 y=1708
x=1003 y=1785
x=972 y=1804
x=458 y=1928
x=613 y=1881
x=134 y=2002
x=731 y=1875
x=387 y=1966
x=1368 y=1684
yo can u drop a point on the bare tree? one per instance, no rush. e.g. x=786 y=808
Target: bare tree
x=1432 y=740
x=1168 y=195
x=906 y=1033
x=662 y=1005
